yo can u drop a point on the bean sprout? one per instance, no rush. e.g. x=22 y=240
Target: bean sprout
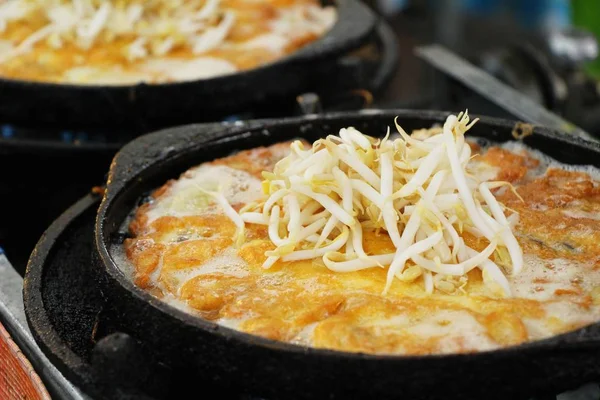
x=417 y=189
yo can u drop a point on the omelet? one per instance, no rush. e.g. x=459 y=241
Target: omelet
x=126 y=42
x=184 y=250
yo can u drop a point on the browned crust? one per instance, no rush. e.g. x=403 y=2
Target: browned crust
x=342 y=304
x=46 y=63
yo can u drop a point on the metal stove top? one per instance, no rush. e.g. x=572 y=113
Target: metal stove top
x=12 y=316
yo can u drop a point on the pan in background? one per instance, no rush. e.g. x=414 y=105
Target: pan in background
x=146 y=107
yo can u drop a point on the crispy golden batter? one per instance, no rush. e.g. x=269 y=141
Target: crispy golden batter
x=48 y=63
x=191 y=258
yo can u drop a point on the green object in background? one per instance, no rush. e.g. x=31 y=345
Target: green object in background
x=586 y=15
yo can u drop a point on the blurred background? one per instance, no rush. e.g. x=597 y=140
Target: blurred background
x=545 y=49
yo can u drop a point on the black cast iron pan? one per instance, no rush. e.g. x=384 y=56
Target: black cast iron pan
x=148 y=106
x=186 y=349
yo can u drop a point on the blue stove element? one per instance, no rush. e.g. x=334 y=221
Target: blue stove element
x=232 y=118
x=7 y=131
x=67 y=136
x=77 y=137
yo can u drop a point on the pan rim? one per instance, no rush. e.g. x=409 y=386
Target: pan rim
x=46 y=336
x=563 y=341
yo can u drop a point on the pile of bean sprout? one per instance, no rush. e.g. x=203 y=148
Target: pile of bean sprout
x=320 y=201
x=145 y=28
x=152 y=27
